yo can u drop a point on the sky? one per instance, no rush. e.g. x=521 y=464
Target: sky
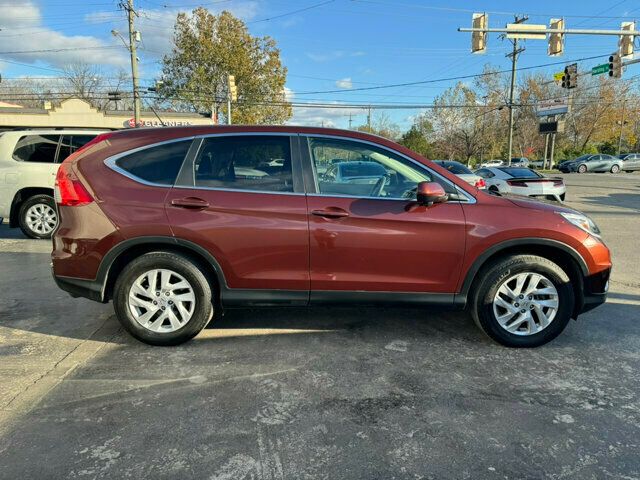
x=337 y=47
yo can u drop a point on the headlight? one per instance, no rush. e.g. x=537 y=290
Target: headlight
x=583 y=222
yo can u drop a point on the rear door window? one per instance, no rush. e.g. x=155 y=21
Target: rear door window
x=159 y=164
x=245 y=162
x=36 y=148
x=70 y=143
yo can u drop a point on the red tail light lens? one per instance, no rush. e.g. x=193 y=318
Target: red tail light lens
x=558 y=183
x=69 y=190
x=480 y=183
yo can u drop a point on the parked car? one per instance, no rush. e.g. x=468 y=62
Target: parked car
x=523 y=181
x=354 y=172
x=29 y=160
x=598 y=162
x=540 y=164
x=463 y=172
x=175 y=236
x=492 y=163
x=520 y=162
x=630 y=162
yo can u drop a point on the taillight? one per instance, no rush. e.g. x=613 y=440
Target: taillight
x=558 y=183
x=69 y=191
x=480 y=183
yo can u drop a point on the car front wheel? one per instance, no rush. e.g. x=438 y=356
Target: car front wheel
x=522 y=301
x=582 y=169
x=162 y=298
x=37 y=216
x=615 y=169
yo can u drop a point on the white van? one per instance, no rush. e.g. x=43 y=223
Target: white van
x=29 y=161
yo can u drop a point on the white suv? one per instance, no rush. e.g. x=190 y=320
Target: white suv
x=29 y=161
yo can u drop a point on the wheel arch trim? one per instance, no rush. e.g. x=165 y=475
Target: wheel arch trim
x=481 y=260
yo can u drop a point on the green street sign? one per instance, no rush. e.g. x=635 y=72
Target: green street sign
x=604 y=68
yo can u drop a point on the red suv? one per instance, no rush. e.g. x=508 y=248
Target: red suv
x=173 y=224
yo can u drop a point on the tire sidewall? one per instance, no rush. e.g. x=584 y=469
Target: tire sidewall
x=494 y=279
x=582 y=169
x=181 y=265
x=26 y=205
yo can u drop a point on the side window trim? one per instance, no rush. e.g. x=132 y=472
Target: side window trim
x=111 y=161
x=186 y=175
x=309 y=165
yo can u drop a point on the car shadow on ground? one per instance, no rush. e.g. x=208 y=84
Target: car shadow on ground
x=618 y=200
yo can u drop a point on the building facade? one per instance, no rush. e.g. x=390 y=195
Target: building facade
x=76 y=113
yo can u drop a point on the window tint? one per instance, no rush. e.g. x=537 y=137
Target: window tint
x=456 y=168
x=484 y=173
x=36 y=148
x=159 y=164
x=71 y=143
x=251 y=162
x=520 y=172
x=365 y=170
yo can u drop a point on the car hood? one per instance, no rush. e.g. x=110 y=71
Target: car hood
x=536 y=204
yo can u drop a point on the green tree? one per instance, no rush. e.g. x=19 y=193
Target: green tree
x=207 y=48
x=416 y=137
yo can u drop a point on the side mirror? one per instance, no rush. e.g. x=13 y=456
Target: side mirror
x=429 y=193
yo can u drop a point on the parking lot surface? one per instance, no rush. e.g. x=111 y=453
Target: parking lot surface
x=322 y=393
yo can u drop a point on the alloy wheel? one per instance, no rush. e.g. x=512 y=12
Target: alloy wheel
x=41 y=218
x=162 y=300
x=526 y=303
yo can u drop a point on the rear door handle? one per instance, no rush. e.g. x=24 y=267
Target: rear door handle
x=193 y=203
x=331 y=212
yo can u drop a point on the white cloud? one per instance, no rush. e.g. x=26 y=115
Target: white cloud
x=345 y=83
x=28 y=40
x=327 y=117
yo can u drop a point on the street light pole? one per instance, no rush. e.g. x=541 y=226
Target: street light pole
x=134 y=59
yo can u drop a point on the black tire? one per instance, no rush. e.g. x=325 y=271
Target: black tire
x=582 y=169
x=36 y=200
x=615 y=169
x=494 y=189
x=489 y=280
x=184 y=266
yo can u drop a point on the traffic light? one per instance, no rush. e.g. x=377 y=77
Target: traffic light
x=556 y=40
x=625 y=43
x=233 y=89
x=615 y=66
x=570 y=77
x=479 y=39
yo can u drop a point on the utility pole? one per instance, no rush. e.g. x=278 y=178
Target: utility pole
x=624 y=104
x=514 y=60
x=349 y=121
x=369 y=119
x=134 y=36
x=546 y=148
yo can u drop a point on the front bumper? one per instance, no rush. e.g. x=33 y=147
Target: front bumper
x=596 y=287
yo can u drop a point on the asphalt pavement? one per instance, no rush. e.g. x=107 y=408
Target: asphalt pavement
x=325 y=393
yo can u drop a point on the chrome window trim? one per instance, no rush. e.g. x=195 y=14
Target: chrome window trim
x=111 y=161
x=239 y=190
x=470 y=198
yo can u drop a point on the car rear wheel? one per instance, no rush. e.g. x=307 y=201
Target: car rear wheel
x=615 y=169
x=37 y=216
x=162 y=298
x=582 y=169
x=522 y=301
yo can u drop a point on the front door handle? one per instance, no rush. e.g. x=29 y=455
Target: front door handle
x=331 y=212
x=193 y=203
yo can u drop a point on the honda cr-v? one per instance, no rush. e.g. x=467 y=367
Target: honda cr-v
x=173 y=224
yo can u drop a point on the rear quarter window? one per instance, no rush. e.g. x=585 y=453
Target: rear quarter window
x=36 y=148
x=159 y=164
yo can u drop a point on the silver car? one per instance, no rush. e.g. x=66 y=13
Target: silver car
x=598 y=162
x=523 y=181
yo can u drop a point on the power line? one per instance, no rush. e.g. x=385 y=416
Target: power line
x=292 y=12
x=446 y=79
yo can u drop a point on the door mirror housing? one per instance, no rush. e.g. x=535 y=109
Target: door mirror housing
x=429 y=193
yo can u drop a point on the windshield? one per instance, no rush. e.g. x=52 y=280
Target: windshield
x=520 y=172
